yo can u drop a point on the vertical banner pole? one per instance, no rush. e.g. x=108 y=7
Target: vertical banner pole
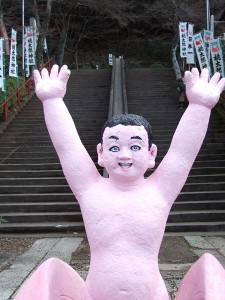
x=23 y=31
x=207 y=14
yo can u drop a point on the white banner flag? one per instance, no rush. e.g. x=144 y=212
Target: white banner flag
x=183 y=39
x=201 y=53
x=13 y=68
x=30 y=46
x=110 y=59
x=190 y=45
x=26 y=62
x=45 y=46
x=217 y=56
x=207 y=37
x=2 y=66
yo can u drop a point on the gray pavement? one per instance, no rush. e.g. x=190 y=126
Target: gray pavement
x=177 y=254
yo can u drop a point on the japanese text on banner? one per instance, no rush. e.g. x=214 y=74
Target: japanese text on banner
x=190 y=45
x=183 y=39
x=30 y=46
x=26 y=62
x=207 y=36
x=2 y=73
x=13 y=68
x=201 y=53
x=217 y=56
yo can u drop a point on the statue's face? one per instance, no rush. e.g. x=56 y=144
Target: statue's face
x=124 y=152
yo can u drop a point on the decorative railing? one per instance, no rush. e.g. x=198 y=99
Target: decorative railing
x=22 y=94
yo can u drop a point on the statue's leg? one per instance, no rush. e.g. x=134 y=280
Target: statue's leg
x=205 y=280
x=53 y=280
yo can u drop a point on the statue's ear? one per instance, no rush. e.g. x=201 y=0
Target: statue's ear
x=152 y=156
x=100 y=154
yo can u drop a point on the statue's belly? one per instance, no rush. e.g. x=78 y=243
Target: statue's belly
x=125 y=278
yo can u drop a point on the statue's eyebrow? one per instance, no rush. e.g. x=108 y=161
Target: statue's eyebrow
x=137 y=137
x=113 y=137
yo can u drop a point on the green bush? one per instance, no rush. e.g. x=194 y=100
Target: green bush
x=2 y=220
x=12 y=84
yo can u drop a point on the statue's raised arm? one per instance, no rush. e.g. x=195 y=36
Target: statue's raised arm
x=203 y=94
x=79 y=169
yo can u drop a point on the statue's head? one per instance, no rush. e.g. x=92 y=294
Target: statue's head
x=126 y=150
x=130 y=119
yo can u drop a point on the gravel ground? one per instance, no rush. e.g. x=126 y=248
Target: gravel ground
x=13 y=247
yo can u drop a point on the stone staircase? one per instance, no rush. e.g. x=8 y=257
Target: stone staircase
x=34 y=195
x=200 y=207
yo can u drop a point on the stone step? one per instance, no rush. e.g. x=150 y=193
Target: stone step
x=19 y=189
x=71 y=206
x=206 y=178
x=73 y=227
x=33 y=181
x=211 y=215
x=199 y=205
x=195 y=226
x=204 y=186
x=201 y=195
x=36 y=198
x=17 y=174
x=23 y=217
x=33 y=166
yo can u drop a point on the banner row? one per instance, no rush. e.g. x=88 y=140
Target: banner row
x=205 y=46
x=29 y=50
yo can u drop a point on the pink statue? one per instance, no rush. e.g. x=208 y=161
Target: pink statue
x=125 y=215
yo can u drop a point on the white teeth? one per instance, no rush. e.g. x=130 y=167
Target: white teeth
x=125 y=165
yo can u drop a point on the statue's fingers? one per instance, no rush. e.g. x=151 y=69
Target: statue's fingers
x=44 y=74
x=64 y=73
x=54 y=71
x=188 y=78
x=215 y=78
x=37 y=77
x=195 y=74
x=205 y=75
x=64 y=67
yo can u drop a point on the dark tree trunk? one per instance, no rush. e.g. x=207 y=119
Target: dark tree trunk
x=3 y=32
x=42 y=33
x=62 y=43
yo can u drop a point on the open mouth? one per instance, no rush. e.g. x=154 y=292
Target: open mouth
x=125 y=165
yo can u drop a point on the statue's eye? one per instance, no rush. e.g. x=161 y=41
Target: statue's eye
x=114 y=149
x=135 y=148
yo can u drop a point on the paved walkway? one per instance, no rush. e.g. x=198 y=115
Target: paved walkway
x=177 y=254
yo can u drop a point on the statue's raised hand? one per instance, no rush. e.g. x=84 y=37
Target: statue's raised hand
x=200 y=90
x=53 y=85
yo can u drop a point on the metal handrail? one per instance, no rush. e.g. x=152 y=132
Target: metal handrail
x=118 y=96
x=27 y=87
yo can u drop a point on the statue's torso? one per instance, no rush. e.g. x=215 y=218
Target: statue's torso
x=125 y=230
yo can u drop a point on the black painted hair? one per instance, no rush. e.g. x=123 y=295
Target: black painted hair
x=130 y=119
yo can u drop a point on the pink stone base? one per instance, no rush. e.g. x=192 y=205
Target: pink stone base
x=53 y=280
x=204 y=281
